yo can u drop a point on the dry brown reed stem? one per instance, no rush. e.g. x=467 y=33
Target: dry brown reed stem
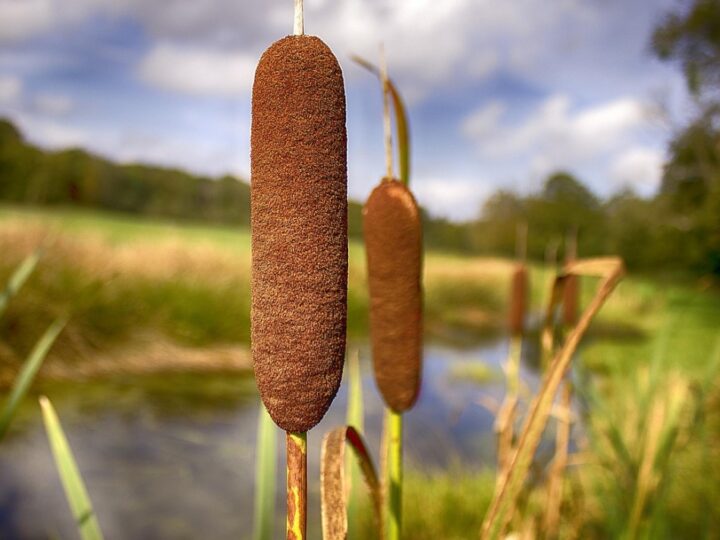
x=611 y=270
x=299 y=19
x=299 y=230
x=504 y=423
x=393 y=240
x=505 y=419
x=333 y=480
x=553 y=501
x=387 y=122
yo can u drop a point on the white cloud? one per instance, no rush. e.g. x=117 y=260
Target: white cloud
x=554 y=132
x=53 y=104
x=20 y=19
x=10 y=89
x=639 y=168
x=198 y=71
x=458 y=198
x=482 y=122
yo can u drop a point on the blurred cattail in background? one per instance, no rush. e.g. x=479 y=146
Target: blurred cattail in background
x=518 y=299
x=393 y=240
x=393 y=245
x=519 y=285
x=571 y=292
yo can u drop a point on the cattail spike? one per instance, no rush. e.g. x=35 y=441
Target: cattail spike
x=518 y=300
x=299 y=230
x=571 y=292
x=393 y=240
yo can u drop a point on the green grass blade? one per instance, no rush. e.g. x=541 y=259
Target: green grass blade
x=18 y=279
x=355 y=419
x=401 y=122
x=355 y=410
x=265 y=472
x=73 y=484
x=27 y=374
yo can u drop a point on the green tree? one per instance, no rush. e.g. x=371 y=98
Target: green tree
x=691 y=36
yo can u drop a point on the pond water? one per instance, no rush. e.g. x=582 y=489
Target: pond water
x=173 y=456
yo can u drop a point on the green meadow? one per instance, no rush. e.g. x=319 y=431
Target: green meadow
x=177 y=295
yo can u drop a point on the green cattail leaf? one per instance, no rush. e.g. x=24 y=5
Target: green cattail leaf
x=27 y=374
x=73 y=484
x=18 y=279
x=356 y=419
x=265 y=473
x=333 y=481
x=401 y=122
x=355 y=410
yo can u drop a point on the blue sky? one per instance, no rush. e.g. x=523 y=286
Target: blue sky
x=500 y=92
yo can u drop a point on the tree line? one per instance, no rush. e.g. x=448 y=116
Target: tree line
x=678 y=229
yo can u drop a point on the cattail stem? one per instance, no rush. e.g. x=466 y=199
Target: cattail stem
x=395 y=473
x=299 y=22
x=505 y=420
x=387 y=124
x=296 y=486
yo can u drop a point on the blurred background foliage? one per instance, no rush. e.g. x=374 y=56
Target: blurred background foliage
x=676 y=230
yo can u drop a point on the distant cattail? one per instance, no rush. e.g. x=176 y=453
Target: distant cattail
x=393 y=240
x=571 y=292
x=571 y=297
x=299 y=230
x=518 y=299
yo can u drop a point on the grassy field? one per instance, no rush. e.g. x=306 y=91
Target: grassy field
x=176 y=296
x=126 y=282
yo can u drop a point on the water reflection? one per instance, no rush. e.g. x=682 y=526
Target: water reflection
x=173 y=456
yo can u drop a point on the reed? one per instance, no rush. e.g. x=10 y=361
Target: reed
x=299 y=242
x=519 y=292
x=514 y=475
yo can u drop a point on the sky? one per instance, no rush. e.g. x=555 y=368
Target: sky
x=500 y=93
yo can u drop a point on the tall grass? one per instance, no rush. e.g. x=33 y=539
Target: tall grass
x=265 y=475
x=67 y=468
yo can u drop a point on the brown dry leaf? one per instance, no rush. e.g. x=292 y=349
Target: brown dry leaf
x=333 y=493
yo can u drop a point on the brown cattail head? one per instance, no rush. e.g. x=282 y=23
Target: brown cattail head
x=571 y=291
x=518 y=300
x=299 y=230
x=393 y=242
x=571 y=298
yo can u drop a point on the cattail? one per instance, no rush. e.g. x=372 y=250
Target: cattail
x=571 y=291
x=299 y=230
x=570 y=300
x=518 y=300
x=393 y=241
